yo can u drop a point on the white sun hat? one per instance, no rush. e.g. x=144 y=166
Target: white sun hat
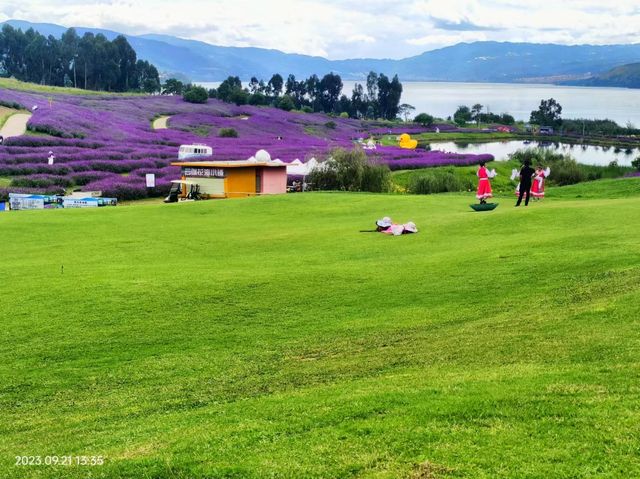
x=411 y=226
x=384 y=222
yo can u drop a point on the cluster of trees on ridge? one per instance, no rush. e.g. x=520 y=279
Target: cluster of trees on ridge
x=379 y=98
x=464 y=115
x=91 y=62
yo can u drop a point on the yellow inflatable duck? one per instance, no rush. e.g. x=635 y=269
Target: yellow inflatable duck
x=407 y=142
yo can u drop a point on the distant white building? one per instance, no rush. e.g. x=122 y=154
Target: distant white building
x=194 y=151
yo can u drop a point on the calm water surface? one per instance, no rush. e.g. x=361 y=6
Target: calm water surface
x=589 y=155
x=442 y=99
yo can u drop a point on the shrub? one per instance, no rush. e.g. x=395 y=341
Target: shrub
x=258 y=99
x=196 y=94
x=436 y=182
x=350 y=170
x=636 y=163
x=286 y=103
x=564 y=169
x=424 y=119
x=12 y=104
x=330 y=124
x=41 y=181
x=228 y=133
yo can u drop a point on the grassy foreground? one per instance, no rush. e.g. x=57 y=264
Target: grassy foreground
x=268 y=337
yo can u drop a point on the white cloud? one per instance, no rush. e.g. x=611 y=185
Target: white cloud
x=360 y=38
x=344 y=28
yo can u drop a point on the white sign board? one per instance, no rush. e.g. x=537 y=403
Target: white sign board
x=151 y=180
x=203 y=172
x=80 y=202
x=25 y=202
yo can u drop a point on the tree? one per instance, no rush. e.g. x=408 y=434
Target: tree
x=291 y=85
x=389 y=93
x=258 y=99
x=344 y=106
x=372 y=86
x=462 y=115
x=147 y=77
x=69 y=53
x=312 y=86
x=424 y=119
x=101 y=64
x=254 y=85
x=329 y=88
x=405 y=110
x=507 y=119
x=227 y=89
x=126 y=63
x=547 y=114
x=196 y=94
x=172 y=86
x=286 y=103
x=275 y=84
x=475 y=113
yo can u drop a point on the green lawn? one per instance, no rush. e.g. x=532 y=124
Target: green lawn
x=13 y=84
x=502 y=183
x=268 y=337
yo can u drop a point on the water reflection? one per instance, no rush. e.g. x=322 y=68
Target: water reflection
x=586 y=154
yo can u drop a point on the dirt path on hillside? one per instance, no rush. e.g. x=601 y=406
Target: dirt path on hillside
x=16 y=125
x=160 y=123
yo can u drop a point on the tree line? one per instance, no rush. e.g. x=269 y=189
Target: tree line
x=91 y=62
x=378 y=98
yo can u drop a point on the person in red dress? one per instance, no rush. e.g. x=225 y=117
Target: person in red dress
x=484 y=185
x=537 y=187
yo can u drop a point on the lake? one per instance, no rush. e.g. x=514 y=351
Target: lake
x=442 y=98
x=586 y=154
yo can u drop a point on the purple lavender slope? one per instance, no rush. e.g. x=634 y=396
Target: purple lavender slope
x=107 y=142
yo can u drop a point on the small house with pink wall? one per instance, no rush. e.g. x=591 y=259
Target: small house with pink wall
x=234 y=179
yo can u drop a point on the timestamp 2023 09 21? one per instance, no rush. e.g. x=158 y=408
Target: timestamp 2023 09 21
x=62 y=460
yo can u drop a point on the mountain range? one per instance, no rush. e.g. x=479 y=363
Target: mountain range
x=486 y=61
x=624 y=76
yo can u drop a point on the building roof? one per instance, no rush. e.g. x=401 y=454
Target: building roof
x=228 y=164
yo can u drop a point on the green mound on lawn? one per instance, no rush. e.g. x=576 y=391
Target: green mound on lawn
x=268 y=337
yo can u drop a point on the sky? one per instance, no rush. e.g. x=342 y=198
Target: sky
x=339 y=29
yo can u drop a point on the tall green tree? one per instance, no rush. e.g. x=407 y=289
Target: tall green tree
x=330 y=89
x=405 y=110
x=172 y=86
x=476 y=111
x=462 y=115
x=275 y=84
x=358 y=101
x=126 y=63
x=92 y=62
x=548 y=113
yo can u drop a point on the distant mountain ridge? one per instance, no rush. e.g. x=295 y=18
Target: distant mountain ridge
x=624 y=76
x=469 y=62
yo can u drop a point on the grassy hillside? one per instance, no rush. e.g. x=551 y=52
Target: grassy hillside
x=268 y=337
x=13 y=84
x=624 y=76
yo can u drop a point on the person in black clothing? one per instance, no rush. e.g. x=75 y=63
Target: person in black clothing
x=526 y=173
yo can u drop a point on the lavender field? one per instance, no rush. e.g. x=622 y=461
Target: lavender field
x=107 y=143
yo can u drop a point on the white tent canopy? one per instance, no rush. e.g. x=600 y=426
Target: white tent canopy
x=296 y=167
